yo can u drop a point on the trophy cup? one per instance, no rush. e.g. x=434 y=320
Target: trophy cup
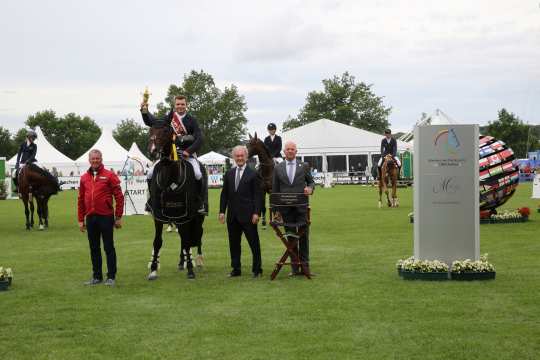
x=146 y=95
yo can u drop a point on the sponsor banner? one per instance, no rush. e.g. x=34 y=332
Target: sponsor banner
x=446 y=188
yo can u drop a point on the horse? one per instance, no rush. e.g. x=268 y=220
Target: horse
x=255 y=146
x=34 y=182
x=173 y=198
x=387 y=174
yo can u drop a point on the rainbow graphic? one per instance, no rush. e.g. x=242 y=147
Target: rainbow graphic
x=447 y=142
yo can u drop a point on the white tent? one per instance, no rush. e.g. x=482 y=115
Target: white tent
x=213 y=158
x=331 y=146
x=114 y=155
x=136 y=153
x=48 y=156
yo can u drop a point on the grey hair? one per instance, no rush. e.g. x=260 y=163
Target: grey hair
x=240 y=147
x=95 y=151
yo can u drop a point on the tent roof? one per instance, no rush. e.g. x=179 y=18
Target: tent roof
x=136 y=153
x=46 y=153
x=212 y=158
x=112 y=151
x=330 y=137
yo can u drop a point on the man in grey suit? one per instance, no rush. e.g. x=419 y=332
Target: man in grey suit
x=292 y=176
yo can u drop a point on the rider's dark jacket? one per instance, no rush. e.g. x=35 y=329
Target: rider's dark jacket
x=388 y=147
x=26 y=154
x=191 y=125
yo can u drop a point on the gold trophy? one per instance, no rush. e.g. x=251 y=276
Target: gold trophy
x=145 y=96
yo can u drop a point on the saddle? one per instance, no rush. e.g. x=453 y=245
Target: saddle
x=173 y=194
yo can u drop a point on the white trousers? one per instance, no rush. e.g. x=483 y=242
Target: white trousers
x=395 y=158
x=193 y=161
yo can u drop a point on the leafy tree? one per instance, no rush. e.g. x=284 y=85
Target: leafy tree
x=516 y=134
x=345 y=101
x=72 y=134
x=220 y=113
x=129 y=132
x=7 y=146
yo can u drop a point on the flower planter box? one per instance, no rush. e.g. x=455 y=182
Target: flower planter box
x=431 y=276
x=400 y=272
x=469 y=276
x=4 y=285
x=504 y=221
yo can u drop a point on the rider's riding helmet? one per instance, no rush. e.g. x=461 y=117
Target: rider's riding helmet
x=31 y=134
x=271 y=126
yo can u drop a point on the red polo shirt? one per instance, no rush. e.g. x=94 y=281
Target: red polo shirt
x=96 y=193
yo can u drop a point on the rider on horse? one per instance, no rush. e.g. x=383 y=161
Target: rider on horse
x=388 y=147
x=26 y=155
x=184 y=124
x=273 y=143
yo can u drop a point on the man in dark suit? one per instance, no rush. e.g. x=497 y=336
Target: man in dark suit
x=273 y=142
x=293 y=176
x=240 y=197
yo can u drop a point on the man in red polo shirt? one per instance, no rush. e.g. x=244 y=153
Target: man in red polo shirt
x=95 y=211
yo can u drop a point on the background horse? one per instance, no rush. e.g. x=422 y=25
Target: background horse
x=173 y=198
x=255 y=146
x=34 y=182
x=388 y=174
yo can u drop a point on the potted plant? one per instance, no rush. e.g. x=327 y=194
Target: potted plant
x=525 y=212
x=472 y=270
x=6 y=275
x=413 y=269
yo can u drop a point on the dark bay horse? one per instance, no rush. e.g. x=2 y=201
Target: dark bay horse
x=388 y=176
x=34 y=182
x=173 y=199
x=255 y=146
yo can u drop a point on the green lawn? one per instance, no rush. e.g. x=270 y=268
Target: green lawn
x=355 y=308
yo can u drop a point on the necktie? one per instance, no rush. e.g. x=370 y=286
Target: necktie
x=237 y=179
x=290 y=171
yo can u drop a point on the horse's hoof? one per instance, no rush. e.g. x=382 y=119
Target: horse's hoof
x=41 y=227
x=380 y=205
x=169 y=228
x=181 y=266
x=199 y=261
x=191 y=275
x=152 y=275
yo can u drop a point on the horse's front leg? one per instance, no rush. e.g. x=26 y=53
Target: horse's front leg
x=158 y=242
x=46 y=212
x=395 y=202
x=26 y=211
x=31 y=201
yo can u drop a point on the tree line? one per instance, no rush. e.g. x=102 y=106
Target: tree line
x=221 y=115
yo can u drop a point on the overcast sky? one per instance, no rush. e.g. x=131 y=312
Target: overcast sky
x=468 y=58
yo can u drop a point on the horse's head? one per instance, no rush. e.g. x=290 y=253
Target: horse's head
x=161 y=139
x=255 y=146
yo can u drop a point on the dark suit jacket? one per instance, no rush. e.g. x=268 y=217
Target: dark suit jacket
x=244 y=202
x=190 y=123
x=27 y=154
x=388 y=147
x=302 y=178
x=274 y=147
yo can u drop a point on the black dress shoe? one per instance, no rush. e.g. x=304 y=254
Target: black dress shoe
x=235 y=273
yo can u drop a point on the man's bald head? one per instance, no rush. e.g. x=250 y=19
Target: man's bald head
x=290 y=150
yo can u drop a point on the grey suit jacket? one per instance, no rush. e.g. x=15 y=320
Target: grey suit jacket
x=302 y=178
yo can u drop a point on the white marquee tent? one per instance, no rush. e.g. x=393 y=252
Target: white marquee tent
x=213 y=158
x=114 y=155
x=48 y=156
x=136 y=153
x=334 y=147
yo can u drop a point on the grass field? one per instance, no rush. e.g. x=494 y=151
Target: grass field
x=355 y=308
